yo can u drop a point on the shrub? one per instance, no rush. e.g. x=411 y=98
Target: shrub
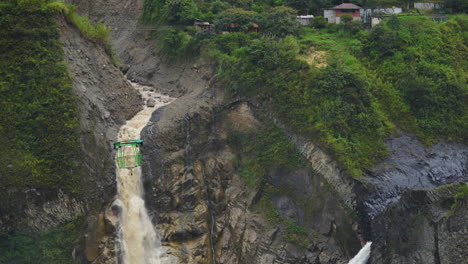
x=346 y=19
x=218 y=7
x=421 y=61
x=175 y=43
x=180 y=12
x=319 y=22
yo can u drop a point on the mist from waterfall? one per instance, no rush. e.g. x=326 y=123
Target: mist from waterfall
x=363 y=255
x=138 y=240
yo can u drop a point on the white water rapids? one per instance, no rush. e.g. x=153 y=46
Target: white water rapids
x=363 y=255
x=138 y=240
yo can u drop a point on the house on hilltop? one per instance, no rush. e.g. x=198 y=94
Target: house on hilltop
x=333 y=15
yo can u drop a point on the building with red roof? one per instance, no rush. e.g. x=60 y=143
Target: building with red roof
x=333 y=15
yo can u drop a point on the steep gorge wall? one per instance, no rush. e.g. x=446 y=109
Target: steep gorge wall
x=105 y=101
x=423 y=228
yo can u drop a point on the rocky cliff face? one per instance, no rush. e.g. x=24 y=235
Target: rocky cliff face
x=106 y=100
x=422 y=228
x=206 y=212
x=411 y=165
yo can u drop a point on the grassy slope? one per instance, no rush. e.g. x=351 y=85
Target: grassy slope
x=412 y=75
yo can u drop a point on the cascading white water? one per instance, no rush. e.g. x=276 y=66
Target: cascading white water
x=138 y=240
x=363 y=255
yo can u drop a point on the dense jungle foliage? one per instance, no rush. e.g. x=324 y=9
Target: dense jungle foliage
x=38 y=121
x=342 y=86
x=53 y=246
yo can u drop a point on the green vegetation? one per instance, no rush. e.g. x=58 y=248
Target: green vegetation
x=423 y=68
x=408 y=72
x=293 y=232
x=38 y=121
x=173 y=12
x=340 y=86
x=262 y=150
x=53 y=246
x=461 y=194
x=241 y=18
x=334 y=104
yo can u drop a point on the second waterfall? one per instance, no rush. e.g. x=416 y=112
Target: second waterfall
x=138 y=240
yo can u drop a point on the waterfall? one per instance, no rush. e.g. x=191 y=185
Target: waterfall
x=138 y=240
x=363 y=255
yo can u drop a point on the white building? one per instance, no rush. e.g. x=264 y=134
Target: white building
x=304 y=20
x=426 y=6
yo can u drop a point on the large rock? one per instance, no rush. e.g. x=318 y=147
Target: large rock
x=411 y=165
x=422 y=228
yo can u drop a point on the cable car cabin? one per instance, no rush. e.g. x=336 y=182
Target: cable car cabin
x=128 y=153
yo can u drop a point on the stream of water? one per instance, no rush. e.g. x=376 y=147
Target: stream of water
x=138 y=240
x=363 y=255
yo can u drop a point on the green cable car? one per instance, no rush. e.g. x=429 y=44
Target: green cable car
x=128 y=153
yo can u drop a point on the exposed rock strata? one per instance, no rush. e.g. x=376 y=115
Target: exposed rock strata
x=421 y=229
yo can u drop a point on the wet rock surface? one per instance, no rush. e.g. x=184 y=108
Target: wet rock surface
x=411 y=165
x=421 y=228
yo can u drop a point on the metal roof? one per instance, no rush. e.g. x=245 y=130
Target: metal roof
x=346 y=6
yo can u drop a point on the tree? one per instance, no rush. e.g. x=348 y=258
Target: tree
x=174 y=43
x=280 y=21
x=180 y=11
x=240 y=18
x=319 y=22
